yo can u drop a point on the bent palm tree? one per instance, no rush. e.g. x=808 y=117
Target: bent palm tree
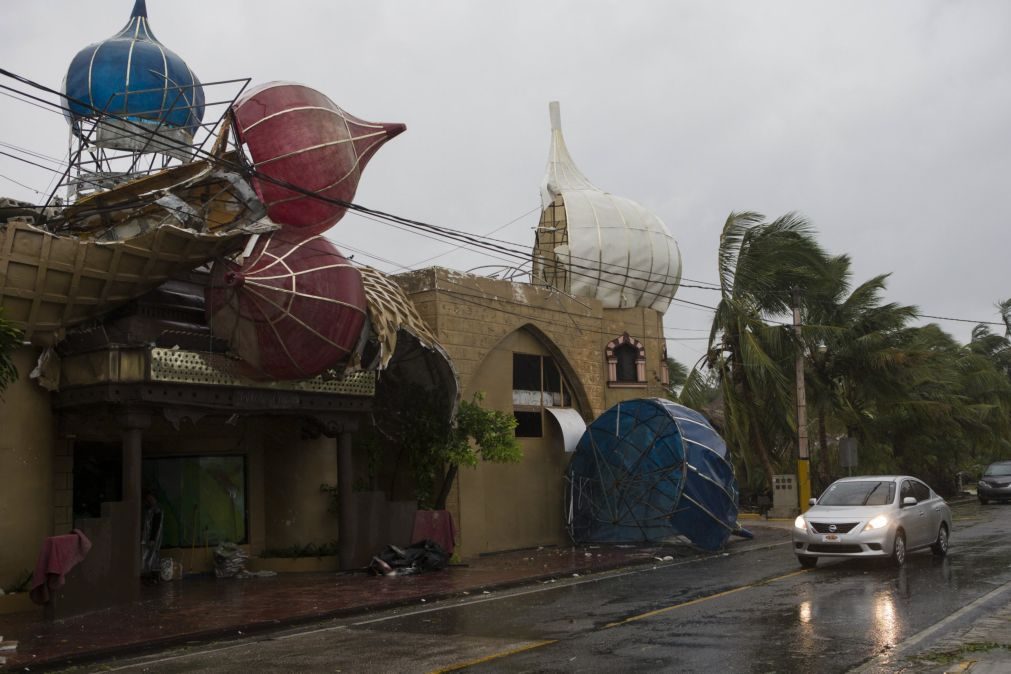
x=750 y=344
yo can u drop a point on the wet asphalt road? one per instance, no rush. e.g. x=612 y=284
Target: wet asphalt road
x=753 y=611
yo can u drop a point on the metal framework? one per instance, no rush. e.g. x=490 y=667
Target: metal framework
x=108 y=149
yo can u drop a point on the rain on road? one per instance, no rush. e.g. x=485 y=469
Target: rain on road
x=752 y=611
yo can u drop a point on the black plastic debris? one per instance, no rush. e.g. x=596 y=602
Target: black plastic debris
x=426 y=555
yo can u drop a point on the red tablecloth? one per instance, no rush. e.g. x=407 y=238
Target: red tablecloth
x=58 y=556
x=436 y=525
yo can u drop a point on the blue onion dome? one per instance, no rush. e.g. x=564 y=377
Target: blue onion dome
x=135 y=76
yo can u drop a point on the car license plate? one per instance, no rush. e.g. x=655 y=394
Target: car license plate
x=830 y=538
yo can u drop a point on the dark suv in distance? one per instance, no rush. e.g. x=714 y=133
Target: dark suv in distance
x=995 y=485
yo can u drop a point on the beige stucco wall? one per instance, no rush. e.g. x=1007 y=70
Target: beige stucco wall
x=509 y=506
x=472 y=314
x=481 y=322
x=283 y=473
x=27 y=449
x=295 y=509
x=646 y=326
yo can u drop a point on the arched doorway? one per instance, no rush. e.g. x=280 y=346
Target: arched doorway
x=512 y=506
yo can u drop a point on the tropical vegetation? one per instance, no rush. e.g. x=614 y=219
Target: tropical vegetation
x=914 y=399
x=434 y=446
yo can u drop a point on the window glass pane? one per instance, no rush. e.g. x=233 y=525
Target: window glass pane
x=552 y=377
x=998 y=469
x=626 y=355
x=202 y=498
x=868 y=492
x=526 y=372
x=528 y=424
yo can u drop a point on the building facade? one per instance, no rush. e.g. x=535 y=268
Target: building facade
x=538 y=354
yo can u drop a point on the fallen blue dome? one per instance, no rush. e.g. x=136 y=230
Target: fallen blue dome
x=650 y=469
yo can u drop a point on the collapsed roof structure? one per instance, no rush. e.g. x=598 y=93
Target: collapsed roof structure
x=150 y=203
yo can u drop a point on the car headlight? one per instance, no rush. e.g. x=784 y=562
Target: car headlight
x=982 y=484
x=800 y=523
x=878 y=522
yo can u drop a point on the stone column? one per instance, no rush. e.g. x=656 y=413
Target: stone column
x=133 y=425
x=341 y=426
x=345 y=500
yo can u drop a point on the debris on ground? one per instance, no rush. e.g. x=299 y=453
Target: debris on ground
x=5 y=648
x=229 y=560
x=425 y=555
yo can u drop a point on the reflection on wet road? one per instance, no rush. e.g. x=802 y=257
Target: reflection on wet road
x=748 y=612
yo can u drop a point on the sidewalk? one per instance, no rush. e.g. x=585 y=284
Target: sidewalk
x=201 y=608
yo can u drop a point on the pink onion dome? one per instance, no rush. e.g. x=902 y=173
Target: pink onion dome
x=302 y=144
x=294 y=308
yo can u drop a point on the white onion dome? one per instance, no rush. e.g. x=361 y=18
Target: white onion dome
x=135 y=76
x=594 y=244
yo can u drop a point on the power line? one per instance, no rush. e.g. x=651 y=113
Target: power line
x=960 y=320
x=31 y=189
x=497 y=229
x=481 y=242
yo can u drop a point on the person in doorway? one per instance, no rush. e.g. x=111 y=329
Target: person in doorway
x=151 y=534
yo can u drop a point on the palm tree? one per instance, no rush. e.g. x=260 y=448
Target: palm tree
x=750 y=343
x=677 y=373
x=942 y=408
x=1005 y=314
x=852 y=352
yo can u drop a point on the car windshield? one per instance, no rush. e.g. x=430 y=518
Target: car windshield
x=864 y=492
x=1002 y=469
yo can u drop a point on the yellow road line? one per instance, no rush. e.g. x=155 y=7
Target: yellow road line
x=650 y=614
x=493 y=656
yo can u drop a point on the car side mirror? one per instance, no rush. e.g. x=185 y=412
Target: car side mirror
x=908 y=501
x=812 y=501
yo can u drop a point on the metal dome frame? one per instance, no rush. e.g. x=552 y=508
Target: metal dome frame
x=110 y=144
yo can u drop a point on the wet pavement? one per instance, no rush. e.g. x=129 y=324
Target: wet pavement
x=201 y=608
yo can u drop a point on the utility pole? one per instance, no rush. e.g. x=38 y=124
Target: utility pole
x=803 y=454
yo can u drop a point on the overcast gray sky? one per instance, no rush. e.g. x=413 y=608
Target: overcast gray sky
x=884 y=123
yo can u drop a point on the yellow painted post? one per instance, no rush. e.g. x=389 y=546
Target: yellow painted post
x=804 y=483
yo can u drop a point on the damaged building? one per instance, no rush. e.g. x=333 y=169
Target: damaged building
x=190 y=330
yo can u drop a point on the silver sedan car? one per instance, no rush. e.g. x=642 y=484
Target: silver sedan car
x=884 y=516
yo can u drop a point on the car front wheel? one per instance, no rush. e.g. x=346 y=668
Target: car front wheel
x=807 y=561
x=940 y=546
x=899 y=549
x=984 y=501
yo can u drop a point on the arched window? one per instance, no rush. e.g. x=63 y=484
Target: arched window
x=626 y=361
x=625 y=371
